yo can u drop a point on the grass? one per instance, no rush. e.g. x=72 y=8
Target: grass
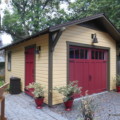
x=1 y=80
x=1 y=83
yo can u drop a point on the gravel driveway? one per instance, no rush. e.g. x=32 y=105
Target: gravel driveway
x=108 y=107
x=22 y=107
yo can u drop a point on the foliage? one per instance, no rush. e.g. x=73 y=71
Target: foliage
x=1 y=83
x=69 y=90
x=2 y=65
x=83 y=8
x=87 y=108
x=117 y=79
x=2 y=78
x=31 y=16
x=38 y=89
x=12 y=25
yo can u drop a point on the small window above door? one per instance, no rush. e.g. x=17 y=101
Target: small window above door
x=71 y=54
x=78 y=53
x=98 y=54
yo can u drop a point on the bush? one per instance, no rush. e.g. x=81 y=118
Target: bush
x=117 y=79
x=69 y=90
x=2 y=65
x=1 y=83
x=2 y=78
x=88 y=107
x=38 y=89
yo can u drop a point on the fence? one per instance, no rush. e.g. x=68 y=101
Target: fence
x=2 y=102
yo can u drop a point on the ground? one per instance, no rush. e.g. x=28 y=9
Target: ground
x=22 y=107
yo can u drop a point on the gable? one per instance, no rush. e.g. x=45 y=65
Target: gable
x=94 y=24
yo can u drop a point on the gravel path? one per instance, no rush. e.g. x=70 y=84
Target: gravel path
x=22 y=107
x=108 y=107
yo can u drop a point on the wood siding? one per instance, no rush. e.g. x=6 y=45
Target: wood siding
x=41 y=66
x=82 y=35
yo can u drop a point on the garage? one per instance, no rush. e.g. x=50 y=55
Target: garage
x=89 y=67
x=67 y=52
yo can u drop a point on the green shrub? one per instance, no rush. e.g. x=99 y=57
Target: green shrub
x=2 y=78
x=69 y=90
x=2 y=65
x=117 y=79
x=38 y=89
x=1 y=83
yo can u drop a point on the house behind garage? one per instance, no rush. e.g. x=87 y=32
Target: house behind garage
x=64 y=53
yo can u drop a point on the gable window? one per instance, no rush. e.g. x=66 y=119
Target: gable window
x=9 y=61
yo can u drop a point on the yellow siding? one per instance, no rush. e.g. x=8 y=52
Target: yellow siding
x=18 y=62
x=79 y=35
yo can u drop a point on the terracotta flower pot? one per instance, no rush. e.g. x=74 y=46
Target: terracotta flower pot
x=39 y=102
x=68 y=105
x=118 y=88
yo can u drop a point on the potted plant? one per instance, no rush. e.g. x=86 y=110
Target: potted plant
x=117 y=78
x=68 y=93
x=38 y=92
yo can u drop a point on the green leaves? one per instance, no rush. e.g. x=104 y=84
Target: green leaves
x=117 y=80
x=38 y=89
x=69 y=90
x=83 y=8
x=31 y=16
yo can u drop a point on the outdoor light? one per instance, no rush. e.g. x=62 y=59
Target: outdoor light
x=95 y=40
x=38 y=49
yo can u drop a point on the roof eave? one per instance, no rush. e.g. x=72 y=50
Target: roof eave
x=26 y=39
x=55 y=28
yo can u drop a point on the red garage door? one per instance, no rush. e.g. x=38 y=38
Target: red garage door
x=89 y=67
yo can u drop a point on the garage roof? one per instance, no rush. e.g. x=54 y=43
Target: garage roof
x=99 y=18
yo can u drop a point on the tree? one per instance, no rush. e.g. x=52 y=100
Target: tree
x=29 y=17
x=83 y=8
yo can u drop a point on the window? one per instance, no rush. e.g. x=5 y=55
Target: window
x=77 y=53
x=93 y=55
x=97 y=55
x=71 y=53
x=100 y=55
x=86 y=54
x=9 y=61
x=81 y=53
